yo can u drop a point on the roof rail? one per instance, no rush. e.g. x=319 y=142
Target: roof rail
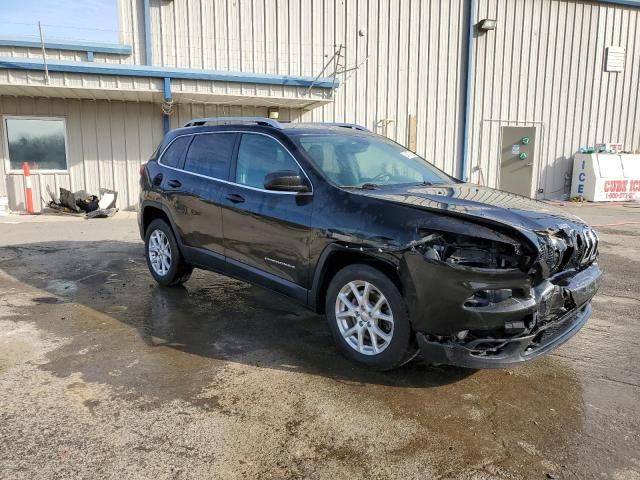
x=197 y=122
x=349 y=125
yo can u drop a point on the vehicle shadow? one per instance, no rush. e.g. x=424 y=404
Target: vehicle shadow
x=211 y=316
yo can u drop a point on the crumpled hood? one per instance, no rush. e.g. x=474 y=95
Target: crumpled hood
x=470 y=200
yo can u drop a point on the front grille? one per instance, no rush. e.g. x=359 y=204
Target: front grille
x=589 y=242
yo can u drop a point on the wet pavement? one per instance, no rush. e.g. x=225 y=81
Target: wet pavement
x=104 y=374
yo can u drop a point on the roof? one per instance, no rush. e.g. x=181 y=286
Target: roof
x=288 y=129
x=271 y=123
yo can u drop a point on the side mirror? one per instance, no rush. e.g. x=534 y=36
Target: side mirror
x=285 y=181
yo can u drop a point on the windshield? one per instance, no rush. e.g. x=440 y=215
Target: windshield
x=369 y=161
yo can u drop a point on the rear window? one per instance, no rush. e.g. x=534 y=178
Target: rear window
x=173 y=154
x=210 y=154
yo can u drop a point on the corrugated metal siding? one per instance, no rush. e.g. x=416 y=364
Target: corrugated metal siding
x=414 y=48
x=80 y=81
x=75 y=56
x=544 y=66
x=107 y=142
x=187 y=111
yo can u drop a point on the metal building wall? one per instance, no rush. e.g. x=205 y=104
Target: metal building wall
x=415 y=54
x=184 y=112
x=106 y=143
x=544 y=66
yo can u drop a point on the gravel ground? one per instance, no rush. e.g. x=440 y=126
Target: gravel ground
x=103 y=374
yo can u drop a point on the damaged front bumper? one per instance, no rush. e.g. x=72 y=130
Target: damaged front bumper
x=508 y=352
x=496 y=334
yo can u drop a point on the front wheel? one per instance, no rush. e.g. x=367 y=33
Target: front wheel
x=368 y=318
x=163 y=256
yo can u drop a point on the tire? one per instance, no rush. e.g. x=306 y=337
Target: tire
x=160 y=237
x=394 y=344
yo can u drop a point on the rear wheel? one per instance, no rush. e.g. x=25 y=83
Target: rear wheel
x=163 y=255
x=368 y=318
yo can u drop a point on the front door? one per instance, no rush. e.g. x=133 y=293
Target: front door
x=265 y=232
x=516 y=159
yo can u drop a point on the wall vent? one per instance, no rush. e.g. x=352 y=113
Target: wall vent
x=615 y=59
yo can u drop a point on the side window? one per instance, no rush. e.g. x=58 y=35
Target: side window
x=258 y=156
x=172 y=155
x=210 y=154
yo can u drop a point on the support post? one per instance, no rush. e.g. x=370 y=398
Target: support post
x=166 y=107
x=468 y=92
x=44 y=54
x=413 y=133
x=148 y=55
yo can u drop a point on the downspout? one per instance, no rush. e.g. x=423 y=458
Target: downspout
x=166 y=121
x=148 y=56
x=468 y=92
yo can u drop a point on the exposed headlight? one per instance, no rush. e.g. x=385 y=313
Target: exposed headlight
x=565 y=248
x=552 y=251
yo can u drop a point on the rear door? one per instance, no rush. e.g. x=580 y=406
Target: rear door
x=172 y=178
x=265 y=230
x=198 y=187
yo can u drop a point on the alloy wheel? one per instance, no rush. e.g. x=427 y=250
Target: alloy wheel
x=159 y=252
x=364 y=317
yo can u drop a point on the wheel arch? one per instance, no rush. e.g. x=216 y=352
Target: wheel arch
x=336 y=257
x=152 y=211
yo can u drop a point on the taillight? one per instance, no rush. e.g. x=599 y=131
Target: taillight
x=142 y=165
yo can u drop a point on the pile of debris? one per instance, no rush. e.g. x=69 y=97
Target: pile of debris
x=81 y=203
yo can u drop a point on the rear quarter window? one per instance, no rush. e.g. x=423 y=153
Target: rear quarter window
x=172 y=155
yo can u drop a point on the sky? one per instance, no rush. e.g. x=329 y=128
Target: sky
x=71 y=20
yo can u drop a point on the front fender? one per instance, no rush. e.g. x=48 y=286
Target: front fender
x=436 y=292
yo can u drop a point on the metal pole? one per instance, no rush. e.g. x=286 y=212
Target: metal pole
x=320 y=74
x=468 y=91
x=44 y=54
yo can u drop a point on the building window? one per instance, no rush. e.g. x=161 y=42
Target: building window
x=41 y=142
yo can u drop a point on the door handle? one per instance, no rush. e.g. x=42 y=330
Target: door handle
x=235 y=198
x=174 y=183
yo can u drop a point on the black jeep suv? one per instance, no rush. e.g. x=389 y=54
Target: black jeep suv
x=400 y=256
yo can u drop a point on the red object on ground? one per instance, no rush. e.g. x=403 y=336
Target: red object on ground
x=27 y=187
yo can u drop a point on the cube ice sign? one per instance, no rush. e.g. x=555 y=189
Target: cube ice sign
x=604 y=177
